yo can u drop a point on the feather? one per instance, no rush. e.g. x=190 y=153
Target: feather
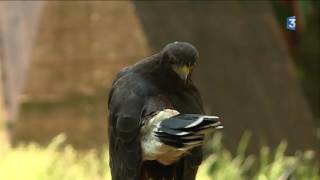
x=188 y=121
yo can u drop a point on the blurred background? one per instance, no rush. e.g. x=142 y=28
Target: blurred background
x=58 y=60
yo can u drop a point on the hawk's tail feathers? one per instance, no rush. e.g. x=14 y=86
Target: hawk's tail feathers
x=186 y=130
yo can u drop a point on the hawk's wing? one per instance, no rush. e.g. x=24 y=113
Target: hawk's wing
x=126 y=100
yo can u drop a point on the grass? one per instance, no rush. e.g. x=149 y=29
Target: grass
x=33 y=162
x=62 y=162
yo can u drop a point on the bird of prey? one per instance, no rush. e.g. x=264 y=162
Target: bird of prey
x=156 y=118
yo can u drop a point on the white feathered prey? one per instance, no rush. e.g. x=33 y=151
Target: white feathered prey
x=168 y=135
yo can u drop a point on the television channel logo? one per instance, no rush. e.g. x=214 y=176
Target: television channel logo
x=291 y=23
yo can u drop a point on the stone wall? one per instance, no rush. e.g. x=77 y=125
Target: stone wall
x=79 y=48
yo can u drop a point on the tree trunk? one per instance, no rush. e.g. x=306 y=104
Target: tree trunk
x=245 y=74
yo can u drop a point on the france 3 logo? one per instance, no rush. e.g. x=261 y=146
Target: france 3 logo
x=291 y=23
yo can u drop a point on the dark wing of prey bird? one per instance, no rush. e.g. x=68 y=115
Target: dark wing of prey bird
x=156 y=119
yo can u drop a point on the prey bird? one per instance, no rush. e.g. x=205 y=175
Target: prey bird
x=157 y=124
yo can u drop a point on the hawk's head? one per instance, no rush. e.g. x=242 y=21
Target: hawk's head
x=181 y=56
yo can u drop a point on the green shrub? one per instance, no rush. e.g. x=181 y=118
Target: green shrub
x=61 y=162
x=269 y=165
x=32 y=162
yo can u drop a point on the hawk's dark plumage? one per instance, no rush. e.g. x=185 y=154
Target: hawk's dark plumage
x=138 y=94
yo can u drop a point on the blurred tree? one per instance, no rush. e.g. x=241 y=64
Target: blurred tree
x=308 y=56
x=305 y=47
x=245 y=73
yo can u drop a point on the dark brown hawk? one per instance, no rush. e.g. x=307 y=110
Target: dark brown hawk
x=156 y=119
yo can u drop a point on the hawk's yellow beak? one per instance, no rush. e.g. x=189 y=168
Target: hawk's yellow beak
x=183 y=71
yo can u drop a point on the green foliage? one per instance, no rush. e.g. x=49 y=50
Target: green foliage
x=61 y=162
x=32 y=162
x=222 y=165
